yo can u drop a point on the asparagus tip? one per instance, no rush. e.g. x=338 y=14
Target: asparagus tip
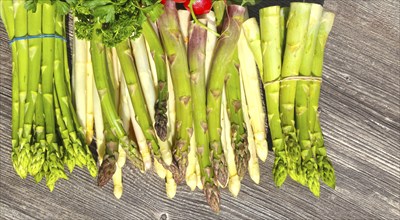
x=107 y=170
x=161 y=125
x=327 y=173
x=242 y=157
x=213 y=196
x=279 y=171
x=177 y=173
x=221 y=171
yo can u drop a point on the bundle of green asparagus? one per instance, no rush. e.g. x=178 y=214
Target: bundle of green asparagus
x=174 y=90
x=46 y=134
x=293 y=41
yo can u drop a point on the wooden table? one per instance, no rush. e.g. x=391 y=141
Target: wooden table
x=360 y=119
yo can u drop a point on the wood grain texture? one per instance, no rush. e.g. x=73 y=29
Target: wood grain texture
x=360 y=119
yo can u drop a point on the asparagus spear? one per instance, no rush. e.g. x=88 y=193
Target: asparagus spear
x=170 y=185
x=35 y=48
x=234 y=107
x=175 y=49
x=80 y=59
x=89 y=81
x=295 y=40
x=184 y=23
x=108 y=165
x=252 y=91
x=210 y=45
x=326 y=170
x=309 y=164
x=211 y=41
x=53 y=166
x=219 y=9
x=123 y=104
x=117 y=180
x=283 y=18
x=63 y=95
x=117 y=177
x=20 y=16
x=270 y=39
x=252 y=34
x=69 y=156
x=196 y=56
x=145 y=76
x=251 y=104
x=325 y=167
x=253 y=167
x=157 y=52
x=100 y=74
x=7 y=16
x=233 y=181
x=40 y=132
x=223 y=55
x=191 y=177
x=136 y=95
x=99 y=120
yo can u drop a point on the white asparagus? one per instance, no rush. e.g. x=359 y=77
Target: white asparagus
x=79 y=58
x=144 y=71
x=253 y=167
x=124 y=99
x=89 y=96
x=160 y=170
x=117 y=181
x=170 y=185
x=234 y=181
x=152 y=65
x=252 y=33
x=211 y=41
x=117 y=177
x=191 y=177
x=184 y=22
x=253 y=96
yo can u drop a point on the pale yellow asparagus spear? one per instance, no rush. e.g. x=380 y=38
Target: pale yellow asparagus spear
x=191 y=177
x=253 y=167
x=234 y=181
x=170 y=185
x=253 y=95
x=184 y=22
x=211 y=41
x=89 y=96
x=159 y=169
x=117 y=177
x=252 y=33
x=79 y=58
x=152 y=65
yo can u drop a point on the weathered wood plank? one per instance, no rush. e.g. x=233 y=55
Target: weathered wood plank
x=360 y=119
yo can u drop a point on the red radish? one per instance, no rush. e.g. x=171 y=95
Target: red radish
x=163 y=2
x=179 y=1
x=199 y=6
